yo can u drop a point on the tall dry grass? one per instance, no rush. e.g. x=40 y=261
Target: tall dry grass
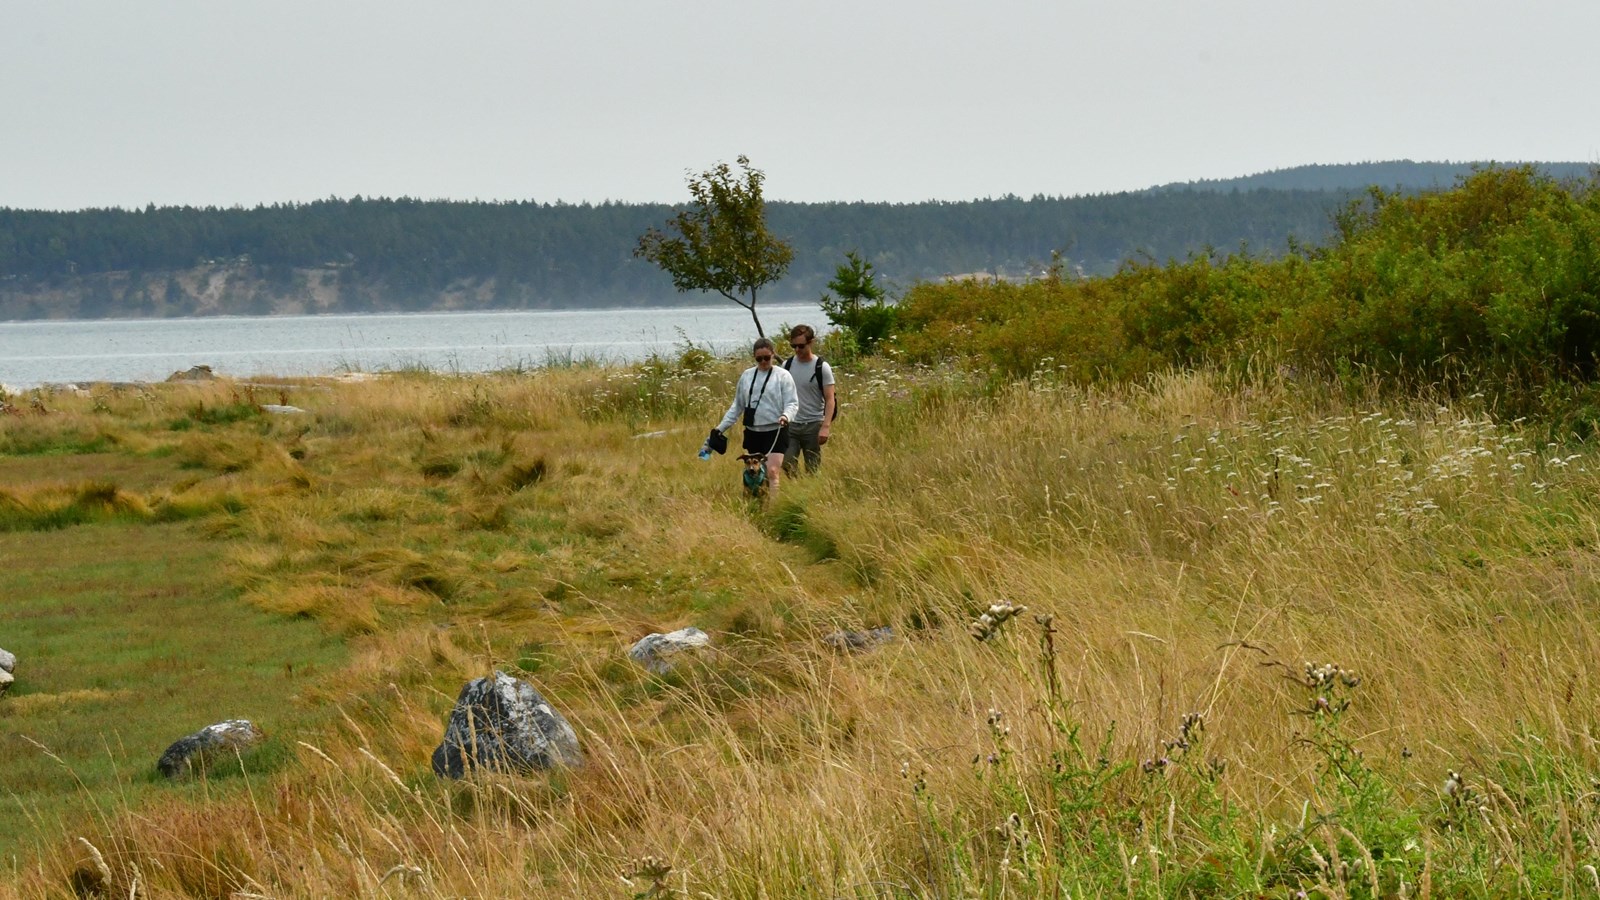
x=1195 y=540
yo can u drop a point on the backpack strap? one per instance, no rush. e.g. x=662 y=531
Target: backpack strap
x=816 y=374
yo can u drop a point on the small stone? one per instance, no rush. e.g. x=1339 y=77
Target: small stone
x=207 y=746
x=858 y=641
x=6 y=678
x=652 y=650
x=8 y=660
x=503 y=724
x=279 y=409
x=194 y=373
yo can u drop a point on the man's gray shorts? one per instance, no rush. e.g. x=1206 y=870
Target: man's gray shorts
x=803 y=439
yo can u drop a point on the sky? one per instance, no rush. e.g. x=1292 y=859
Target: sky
x=240 y=102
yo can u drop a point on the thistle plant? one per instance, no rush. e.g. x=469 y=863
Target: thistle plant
x=918 y=779
x=988 y=624
x=1355 y=814
x=1329 y=683
x=1189 y=729
x=653 y=872
x=1329 y=690
x=1000 y=732
x=1461 y=808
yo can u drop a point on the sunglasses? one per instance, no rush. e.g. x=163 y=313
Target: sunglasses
x=763 y=357
x=801 y=346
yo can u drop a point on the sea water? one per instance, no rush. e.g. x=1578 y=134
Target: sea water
x=55 y=352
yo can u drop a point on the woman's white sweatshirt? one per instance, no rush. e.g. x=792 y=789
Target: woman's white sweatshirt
x=779 y=399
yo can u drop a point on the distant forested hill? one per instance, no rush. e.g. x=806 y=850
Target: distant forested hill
x=402 y=254
x=1402 y=174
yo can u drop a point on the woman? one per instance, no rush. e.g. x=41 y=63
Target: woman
x=765 y=396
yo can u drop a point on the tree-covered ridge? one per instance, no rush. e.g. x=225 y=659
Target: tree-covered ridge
x=432 y=242
x=1402 y=174
x=366 y=254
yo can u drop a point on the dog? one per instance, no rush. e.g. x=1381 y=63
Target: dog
x=755 y=472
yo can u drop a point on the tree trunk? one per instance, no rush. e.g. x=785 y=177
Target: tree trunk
x=759 y=333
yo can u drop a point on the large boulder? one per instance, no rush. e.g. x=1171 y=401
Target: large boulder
x=8 y=661
x=652 y=650
x=504 y=725
x=204 y=748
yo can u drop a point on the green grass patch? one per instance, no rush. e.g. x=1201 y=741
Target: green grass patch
x=121 y=651
x=55 y=444
x=216 y=414
x=789 y=523
x=142 y=473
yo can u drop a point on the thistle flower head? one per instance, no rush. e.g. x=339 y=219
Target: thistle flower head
x=1013 y=830
x=1190 y=724
x=652 y=869
x=987 y=624
x=1329 y=673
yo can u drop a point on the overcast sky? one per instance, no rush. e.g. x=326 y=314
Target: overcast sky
x=223 y=102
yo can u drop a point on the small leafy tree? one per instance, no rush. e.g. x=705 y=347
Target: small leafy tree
x=856 y=305
x=721 y=242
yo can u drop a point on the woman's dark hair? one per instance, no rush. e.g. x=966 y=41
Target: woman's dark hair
x=761 y=344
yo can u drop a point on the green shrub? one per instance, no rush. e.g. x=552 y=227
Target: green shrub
x=1492 y=286
x=859 y=313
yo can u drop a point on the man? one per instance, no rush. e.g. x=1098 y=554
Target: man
x=813 y=380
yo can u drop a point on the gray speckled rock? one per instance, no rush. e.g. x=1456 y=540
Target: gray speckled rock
x=652 y=650
x=8 y=661
x=857 y=641
x=209 y=745
x=503 y=724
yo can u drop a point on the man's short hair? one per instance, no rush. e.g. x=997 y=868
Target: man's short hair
x=800 y=330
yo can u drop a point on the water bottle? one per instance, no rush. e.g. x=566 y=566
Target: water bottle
x=705 y=451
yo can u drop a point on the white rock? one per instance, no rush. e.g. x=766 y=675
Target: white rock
x=8 y=661
x=208 y=746
x=652 y=650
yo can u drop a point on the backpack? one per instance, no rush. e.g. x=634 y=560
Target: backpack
x=816 y=375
